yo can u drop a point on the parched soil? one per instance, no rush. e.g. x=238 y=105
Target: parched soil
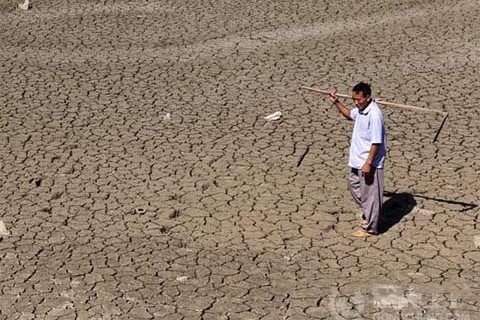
x=139 y=179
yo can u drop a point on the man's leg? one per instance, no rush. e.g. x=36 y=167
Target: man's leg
x=354 y=185
x=371 y=187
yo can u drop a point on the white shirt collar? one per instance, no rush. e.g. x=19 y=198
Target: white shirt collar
x=367 y=109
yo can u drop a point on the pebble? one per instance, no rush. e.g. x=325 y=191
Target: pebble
x=25 y=6
x=3 y=229
x=140 y=211
x=274 y=116
x=476 y=241
x=182 y=279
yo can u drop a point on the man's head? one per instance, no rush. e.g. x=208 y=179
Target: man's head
x=361 y=93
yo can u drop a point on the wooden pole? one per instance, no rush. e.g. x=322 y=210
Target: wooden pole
x=393 y=104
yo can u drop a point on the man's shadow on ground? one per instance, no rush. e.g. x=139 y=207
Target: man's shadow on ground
x=400 y=204
x=395 y=208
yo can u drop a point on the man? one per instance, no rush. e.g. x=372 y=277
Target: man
x=367 y=156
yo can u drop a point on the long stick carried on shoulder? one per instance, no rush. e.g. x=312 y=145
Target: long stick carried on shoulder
x=386 y=103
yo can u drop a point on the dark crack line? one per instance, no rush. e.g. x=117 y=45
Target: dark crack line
x=304 y=154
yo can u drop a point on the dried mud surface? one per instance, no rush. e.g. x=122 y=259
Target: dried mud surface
x=139 y=179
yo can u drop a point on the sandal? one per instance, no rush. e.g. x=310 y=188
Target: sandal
x=362 y=223
x=362 y=234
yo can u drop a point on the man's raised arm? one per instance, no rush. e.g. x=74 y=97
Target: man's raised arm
x=340 y=106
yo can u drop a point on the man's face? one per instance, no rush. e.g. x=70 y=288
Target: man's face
x=360 y=100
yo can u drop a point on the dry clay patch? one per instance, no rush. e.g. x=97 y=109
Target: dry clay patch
x=196 y=282
x=459 y=52
x=338 y=260
x=208 y=228
x=48 y=11
x=229 y=227
x=206 y=232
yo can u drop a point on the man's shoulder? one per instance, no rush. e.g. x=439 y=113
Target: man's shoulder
x=375 y=109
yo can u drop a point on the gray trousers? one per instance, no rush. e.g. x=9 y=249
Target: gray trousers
x=367 y=191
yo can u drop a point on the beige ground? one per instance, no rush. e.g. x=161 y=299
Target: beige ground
x=113 y=211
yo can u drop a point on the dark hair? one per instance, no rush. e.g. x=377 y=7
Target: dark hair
x=364 y=88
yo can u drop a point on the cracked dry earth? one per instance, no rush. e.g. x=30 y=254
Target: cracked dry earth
x=139 y=179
